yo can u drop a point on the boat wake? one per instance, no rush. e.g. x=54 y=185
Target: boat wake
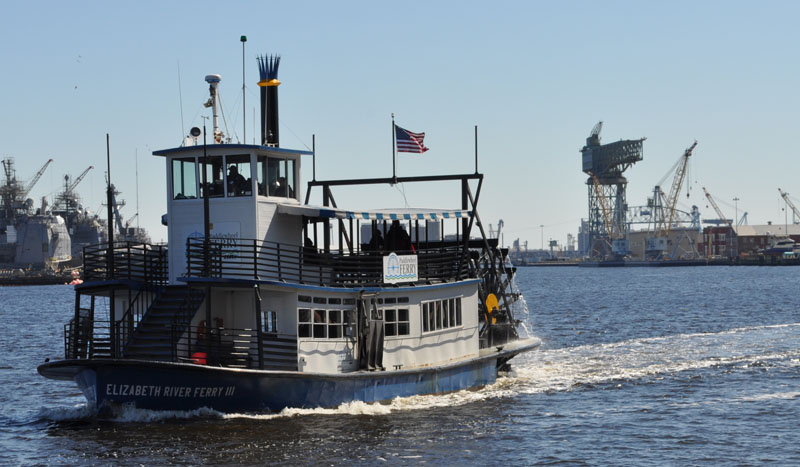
x=551 y=371
x=586 y=366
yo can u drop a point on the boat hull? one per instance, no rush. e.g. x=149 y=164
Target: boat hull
x=181 y=386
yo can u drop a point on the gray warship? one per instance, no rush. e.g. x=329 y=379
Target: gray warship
x=30 y=238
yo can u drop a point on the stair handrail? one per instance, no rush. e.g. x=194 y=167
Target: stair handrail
x=186 y=311
x=134 y=311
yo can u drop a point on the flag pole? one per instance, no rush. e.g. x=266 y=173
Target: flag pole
x=394 y=145
x=476 y=148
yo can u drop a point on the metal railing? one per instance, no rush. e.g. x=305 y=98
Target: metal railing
x=87 y=339
x=237 y=348
x=133 y=261
x=256 y=259
x=126 y=326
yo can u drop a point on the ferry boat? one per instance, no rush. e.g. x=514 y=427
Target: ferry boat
x=252 y=306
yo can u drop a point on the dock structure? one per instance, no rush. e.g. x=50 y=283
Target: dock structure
x=605 y=165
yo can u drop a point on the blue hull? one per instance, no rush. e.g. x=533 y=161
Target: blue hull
x=181 y=386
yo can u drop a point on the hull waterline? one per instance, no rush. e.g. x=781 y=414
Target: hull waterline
x=182 y=386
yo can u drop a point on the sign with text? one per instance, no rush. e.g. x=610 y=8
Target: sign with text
x=398 y=269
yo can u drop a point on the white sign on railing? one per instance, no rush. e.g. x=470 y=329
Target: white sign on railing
x=398 y=269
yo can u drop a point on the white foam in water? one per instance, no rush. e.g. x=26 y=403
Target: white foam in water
x=768 y=397
x=563 y=369
x=133 y=415
x=60 y=414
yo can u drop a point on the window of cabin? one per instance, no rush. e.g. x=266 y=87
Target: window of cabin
x=320 y=330
x=286 y=187
x=214 y=171
x=184 y=178
x=396 y=322
x=440 y=314
x=261 y=175
x=303 y=322
x=326 y=324
x=269 y=321
x=334 y=324
x=348 y=323
x=268 y=169
x=240 y=178
x=276 y=177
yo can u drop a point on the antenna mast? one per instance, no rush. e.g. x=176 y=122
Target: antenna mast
x=244 y=107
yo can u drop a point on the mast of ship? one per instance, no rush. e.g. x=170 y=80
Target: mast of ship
x=110 y=251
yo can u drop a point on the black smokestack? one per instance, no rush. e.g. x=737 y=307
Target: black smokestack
x=268 y=69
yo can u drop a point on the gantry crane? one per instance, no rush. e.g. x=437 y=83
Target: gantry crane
x=789 y=203
x=665 y=213
x=605 y=165
x=612 y=229
x=725 y=219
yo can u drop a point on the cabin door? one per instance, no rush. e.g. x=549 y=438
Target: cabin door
x=370 y=334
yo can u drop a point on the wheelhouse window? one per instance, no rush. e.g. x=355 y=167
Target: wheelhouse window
x=214 y=170
x=240 y=179
x=276 y=177
x=184 y=178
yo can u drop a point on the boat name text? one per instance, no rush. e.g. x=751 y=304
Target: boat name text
x=144 y=390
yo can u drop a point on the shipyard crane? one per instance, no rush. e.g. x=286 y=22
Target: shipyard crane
x=742 y=219
x=595 y=134
x=789 y=202
x=67 y=201
x=116 y=205
x=79 y=179
x=612 y=229
x=721 y=216
x=664 y=213
x=13 y=193
x=717 y=209
x=677 y=182
x=605 y=165
x=35 y=179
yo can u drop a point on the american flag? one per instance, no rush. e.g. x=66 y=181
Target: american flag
x=408 y=141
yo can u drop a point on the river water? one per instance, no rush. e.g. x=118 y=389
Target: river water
x=639 y=366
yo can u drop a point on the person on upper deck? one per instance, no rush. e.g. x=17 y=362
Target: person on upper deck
x=397 y=238
x=376 y=242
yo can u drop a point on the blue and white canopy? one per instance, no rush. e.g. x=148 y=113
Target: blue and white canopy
x=377 y=214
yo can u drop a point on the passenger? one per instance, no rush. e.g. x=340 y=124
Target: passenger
x=376 y=242
x=236 y=182
x=397 y=238
x=283 y=189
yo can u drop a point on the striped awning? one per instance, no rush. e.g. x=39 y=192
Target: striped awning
x=379 y=214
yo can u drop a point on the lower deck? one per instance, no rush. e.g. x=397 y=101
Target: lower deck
x=270 y=325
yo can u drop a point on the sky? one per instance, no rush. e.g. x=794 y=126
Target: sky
x=535 y=77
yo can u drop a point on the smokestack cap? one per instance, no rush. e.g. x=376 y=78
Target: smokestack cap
x=211 y=79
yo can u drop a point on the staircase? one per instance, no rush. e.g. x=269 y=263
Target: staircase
x=152 y=338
